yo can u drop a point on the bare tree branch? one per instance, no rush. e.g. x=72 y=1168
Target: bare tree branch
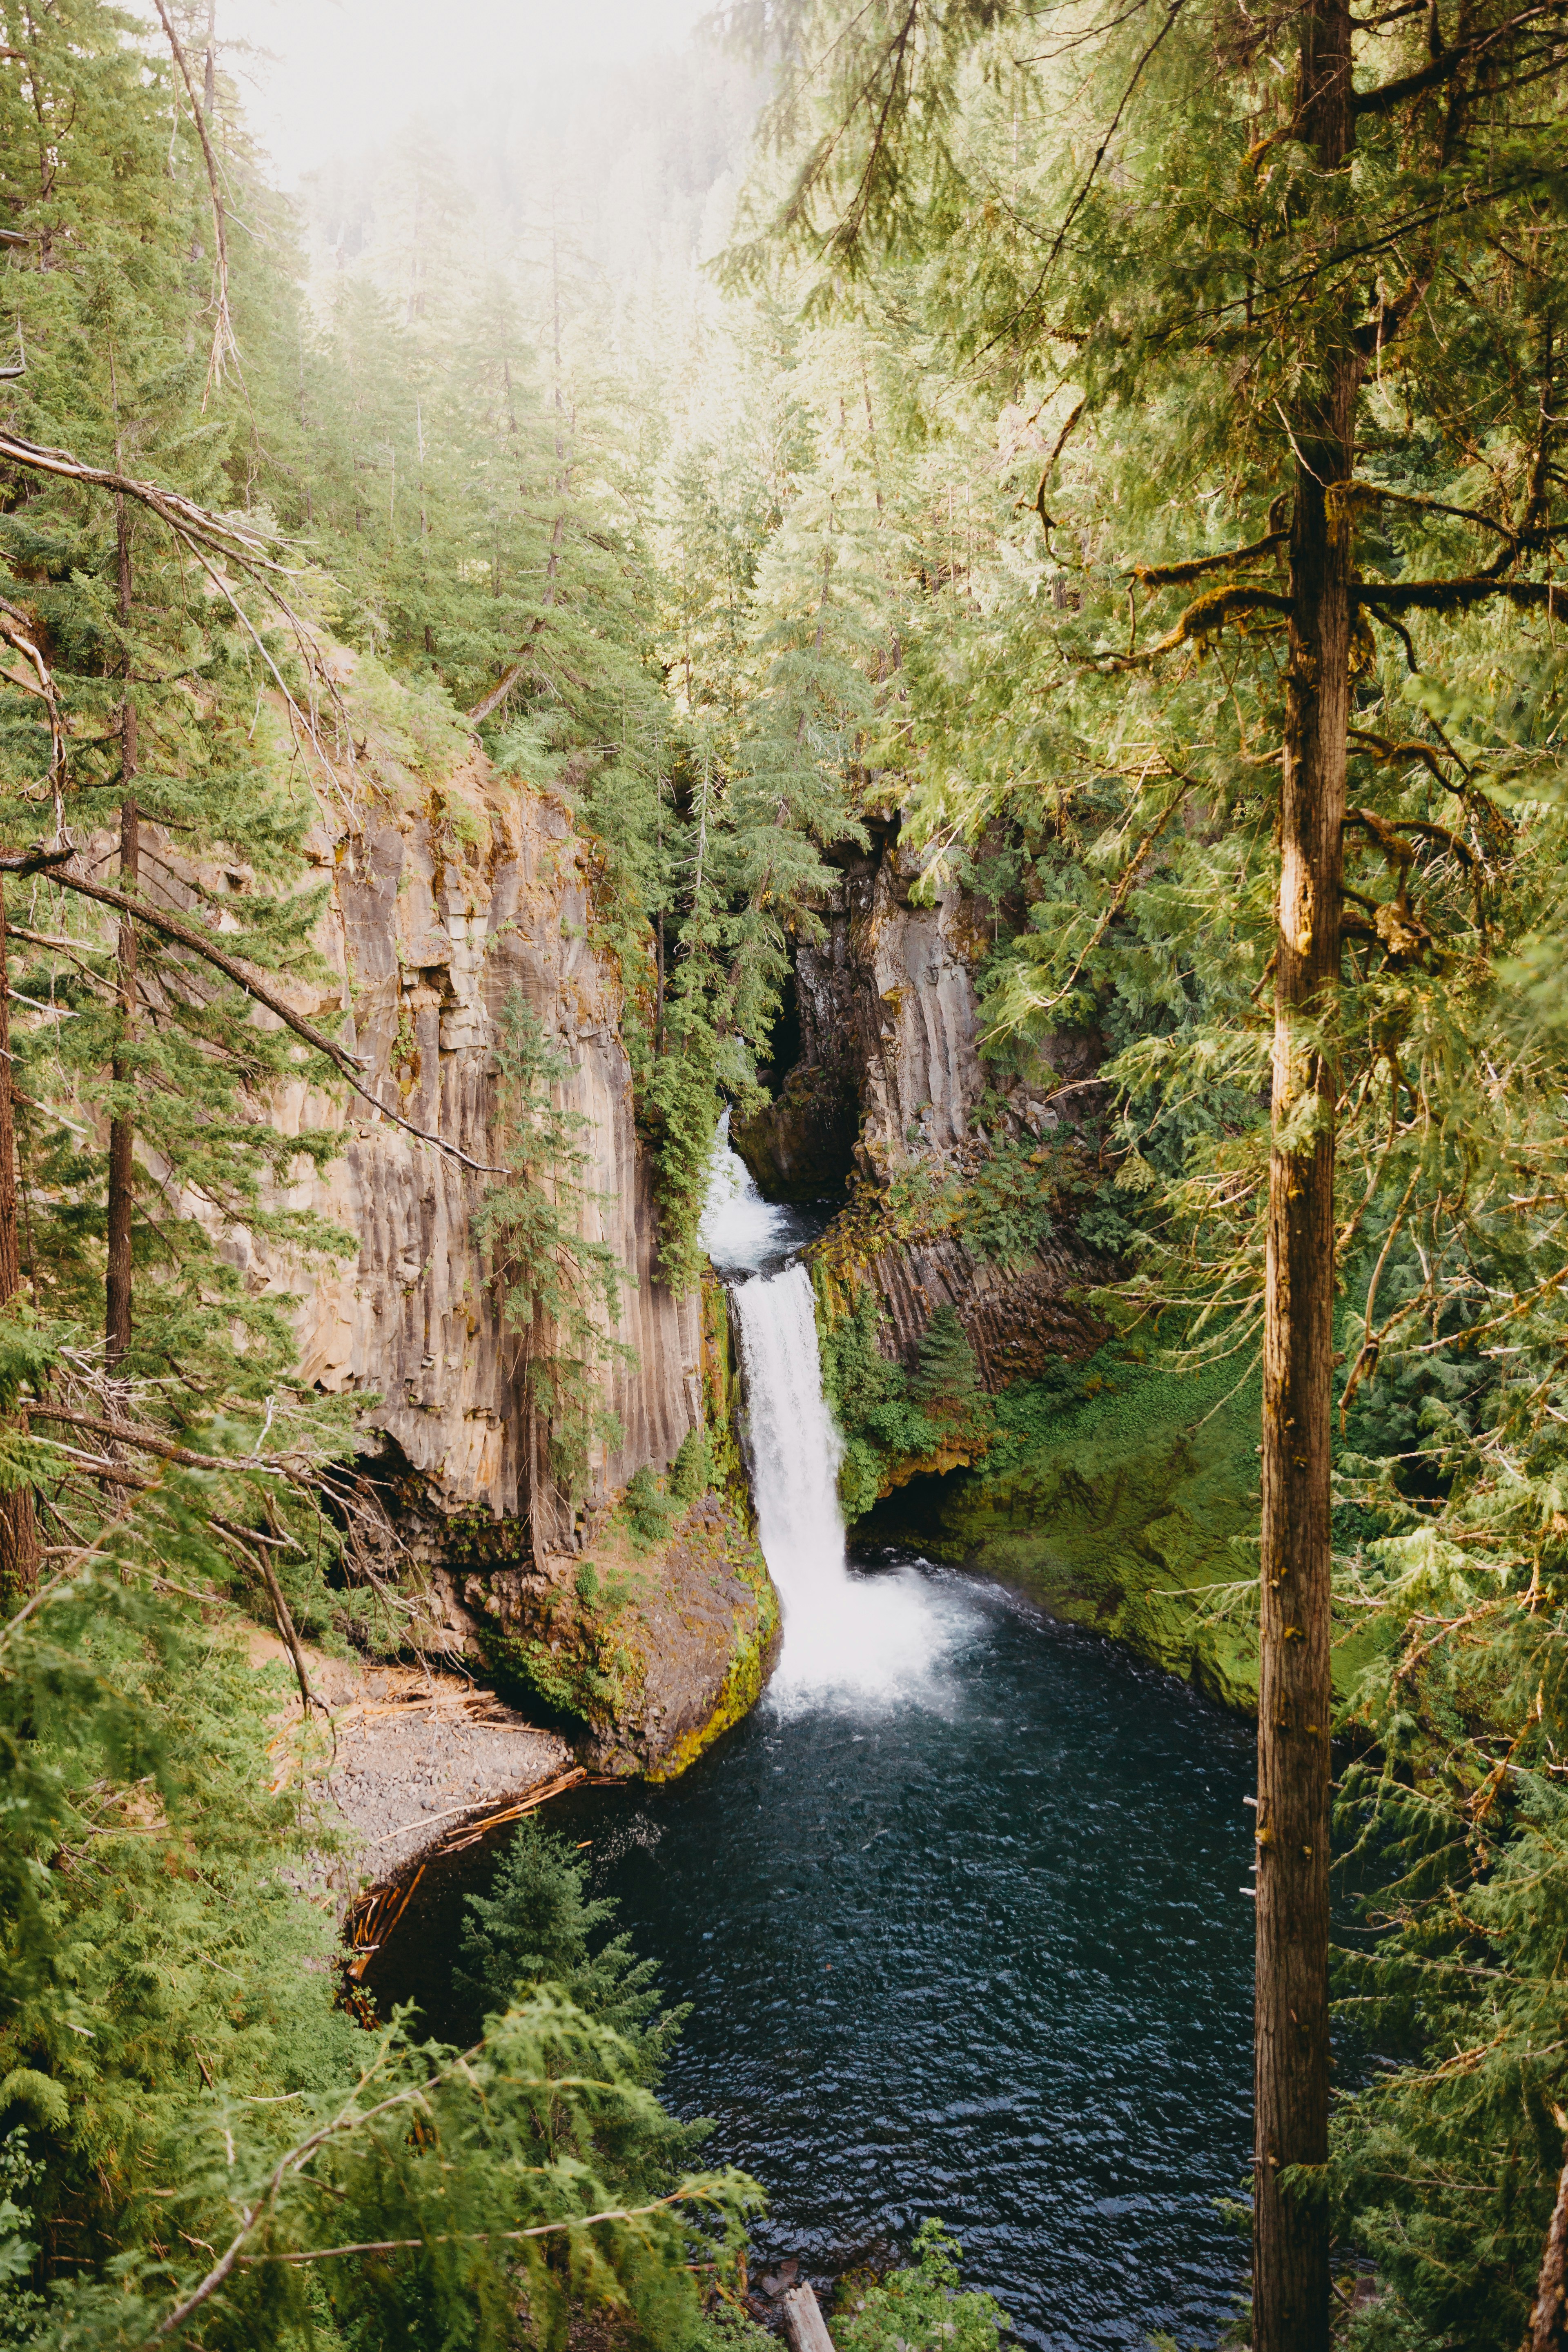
x=1446 y=64
x=224 y=347
x=1458 y=595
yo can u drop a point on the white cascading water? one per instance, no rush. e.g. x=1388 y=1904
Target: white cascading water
x=877 y=1638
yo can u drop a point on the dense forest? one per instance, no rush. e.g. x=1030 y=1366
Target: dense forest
x=1113 y=451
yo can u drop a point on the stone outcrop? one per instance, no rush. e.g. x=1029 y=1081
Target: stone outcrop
x=453 y=898
x=799 y=1147
x=648 y=1654
x=889 y=1019
x=1017 y=1319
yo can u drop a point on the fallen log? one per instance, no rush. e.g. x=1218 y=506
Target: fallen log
x=803 y=2323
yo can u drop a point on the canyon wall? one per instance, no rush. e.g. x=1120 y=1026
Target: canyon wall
x=440 y=907
x=888 y=1081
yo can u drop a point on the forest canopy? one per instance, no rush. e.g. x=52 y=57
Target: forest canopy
x=1115 y=454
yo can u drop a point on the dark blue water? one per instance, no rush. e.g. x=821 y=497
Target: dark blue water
x=985 y=1957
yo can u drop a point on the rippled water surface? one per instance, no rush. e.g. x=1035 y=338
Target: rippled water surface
x=980 y=1952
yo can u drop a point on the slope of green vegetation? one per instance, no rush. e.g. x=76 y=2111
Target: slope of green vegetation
x=266 y=566
x=1234 y=684
x=1125 y=1499
x=978 y=505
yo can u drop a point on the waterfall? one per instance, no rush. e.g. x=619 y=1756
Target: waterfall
x=795 y=1449
x=846 y=1635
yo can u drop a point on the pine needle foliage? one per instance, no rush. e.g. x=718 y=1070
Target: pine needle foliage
x=538 y=1925
x=922 y=2307
x=1100 y=688
x=169 y=2048
x=438 y=483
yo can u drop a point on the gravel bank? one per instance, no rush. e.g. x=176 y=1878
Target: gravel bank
x=410 y=1757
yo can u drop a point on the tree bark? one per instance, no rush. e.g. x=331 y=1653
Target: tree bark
x=18 y=1527
x=1290 y=2233
x=1549 y=2320
x=123 y=1128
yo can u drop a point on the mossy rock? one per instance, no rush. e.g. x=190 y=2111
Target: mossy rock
x=721 y=1401
x=646 y=1654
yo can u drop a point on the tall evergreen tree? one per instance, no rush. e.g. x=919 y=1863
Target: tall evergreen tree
x=1271 y=226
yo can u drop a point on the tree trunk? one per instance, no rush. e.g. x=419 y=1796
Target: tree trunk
x=1549 y=2320
x=18 y=1529
x=122 y=1128
x=1290 y=2233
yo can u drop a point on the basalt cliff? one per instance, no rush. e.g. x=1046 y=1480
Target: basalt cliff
x=887 y=1083
x=1105 y=1489
x=452 y=897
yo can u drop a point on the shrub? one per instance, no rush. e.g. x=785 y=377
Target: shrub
x=922 y=2308
x=869 y=1397
x=1009 y=1203
x=648 y=1513
x=691 y=1472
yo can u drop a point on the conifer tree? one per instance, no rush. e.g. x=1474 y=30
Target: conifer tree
x=166 y=2025
x=152 y=675
x=945 y=1385
x=538 y=1927
x=1271 y=223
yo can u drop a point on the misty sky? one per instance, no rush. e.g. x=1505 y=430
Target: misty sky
x=349 y=72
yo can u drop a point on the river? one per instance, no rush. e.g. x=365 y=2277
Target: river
x=958 y=1910
x=981 y=1952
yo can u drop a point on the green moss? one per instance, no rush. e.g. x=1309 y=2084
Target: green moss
x=894 y=1425
x=1110 y=1497
x=1124 y=1497
x=582 y=1648
x=720 y=1401
x=575 y=1657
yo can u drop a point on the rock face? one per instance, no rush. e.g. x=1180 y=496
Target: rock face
x=888 y=1080
x=437 y=916
x=1016 y=1318
x=800 y=1146
x=886 y=1011
x=446 y=912
x=890 y=1021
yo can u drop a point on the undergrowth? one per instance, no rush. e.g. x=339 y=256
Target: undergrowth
x=921 y=2307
